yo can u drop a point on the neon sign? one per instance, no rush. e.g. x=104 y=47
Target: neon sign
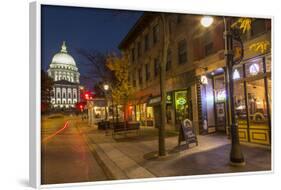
x=181 y=101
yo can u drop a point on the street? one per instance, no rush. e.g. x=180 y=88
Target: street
x=66 y=158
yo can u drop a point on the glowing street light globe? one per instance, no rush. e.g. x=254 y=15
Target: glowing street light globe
x=206 y=21
x=106 y=87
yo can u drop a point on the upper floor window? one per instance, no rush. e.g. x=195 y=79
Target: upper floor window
x=258 y=27
x=146 y=42
x=147 y=72
x=134 y=80
x=140 y=76
x=133 y=54
x=156 y=33
x=169 y=60
x=182 y=52
x=156 y=66
x=139 y=49
x=209 y=47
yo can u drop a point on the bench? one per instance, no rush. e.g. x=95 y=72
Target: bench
x=103 y=125
x=120 y=128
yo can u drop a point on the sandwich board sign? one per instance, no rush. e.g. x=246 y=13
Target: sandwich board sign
x=187 y=133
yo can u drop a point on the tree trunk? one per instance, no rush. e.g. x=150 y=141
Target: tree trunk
x=125 y=114
x=166 y=36
x=117 y=114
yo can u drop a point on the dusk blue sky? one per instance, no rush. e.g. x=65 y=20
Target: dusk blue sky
x=83 y=28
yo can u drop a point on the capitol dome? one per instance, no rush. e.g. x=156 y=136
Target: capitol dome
x=63 y=67
x=63 y=57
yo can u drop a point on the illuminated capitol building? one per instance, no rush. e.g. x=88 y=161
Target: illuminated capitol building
x=64 y=72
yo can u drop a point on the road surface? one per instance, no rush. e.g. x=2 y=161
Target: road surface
x=65 y=156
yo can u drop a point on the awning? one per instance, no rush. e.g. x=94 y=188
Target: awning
x=144 y=99
x=141 y=100
x=156 y=100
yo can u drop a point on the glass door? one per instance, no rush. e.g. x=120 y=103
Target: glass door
x=220 y=102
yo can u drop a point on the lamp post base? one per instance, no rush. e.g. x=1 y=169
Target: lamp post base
x=237 y=164
x=236 y=155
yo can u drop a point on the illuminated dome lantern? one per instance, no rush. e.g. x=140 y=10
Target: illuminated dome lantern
x=64 y=72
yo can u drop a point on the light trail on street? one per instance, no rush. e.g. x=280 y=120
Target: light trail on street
x=55 y=133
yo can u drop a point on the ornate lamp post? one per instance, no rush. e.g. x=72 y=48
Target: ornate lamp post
x=236 y=155
x=106 y=88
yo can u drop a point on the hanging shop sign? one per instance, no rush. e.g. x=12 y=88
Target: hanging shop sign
x=204 y=79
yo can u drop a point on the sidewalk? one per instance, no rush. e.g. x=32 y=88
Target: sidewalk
x=133 y=156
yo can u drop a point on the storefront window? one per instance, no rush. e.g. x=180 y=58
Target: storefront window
x=207 y=95
x=220 y=105
x=183 y=110
x=240 y=106
x=254 y=68
x=138 y=112
x=219 y=87
x=258 y=115
x=269 y=92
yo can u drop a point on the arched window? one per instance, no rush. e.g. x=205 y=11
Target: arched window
x=58 y=95
x=63 y=95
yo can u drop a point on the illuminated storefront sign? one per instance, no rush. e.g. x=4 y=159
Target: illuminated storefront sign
x=221 y=95
x=181 y=101
x=204 y=79
x=254 y=69
x=169 y=99
x=236 y=75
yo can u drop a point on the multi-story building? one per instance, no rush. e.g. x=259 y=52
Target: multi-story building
x=196 y=53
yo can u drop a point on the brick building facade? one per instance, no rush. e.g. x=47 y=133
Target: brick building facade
x=195 y=51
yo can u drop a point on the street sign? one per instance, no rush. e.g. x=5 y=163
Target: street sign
x=187 y=133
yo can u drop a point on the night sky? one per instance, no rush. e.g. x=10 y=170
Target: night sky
x=83 y=28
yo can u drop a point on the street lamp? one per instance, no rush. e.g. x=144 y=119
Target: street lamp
x=106 y=88
x=207 y=21
x=236 y=155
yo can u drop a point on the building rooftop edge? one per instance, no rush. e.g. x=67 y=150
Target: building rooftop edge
x=147 y=16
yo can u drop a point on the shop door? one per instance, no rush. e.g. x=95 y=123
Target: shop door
x=220 y=102
x=220 y=116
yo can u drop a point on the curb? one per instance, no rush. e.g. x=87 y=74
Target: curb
x=109 y=167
